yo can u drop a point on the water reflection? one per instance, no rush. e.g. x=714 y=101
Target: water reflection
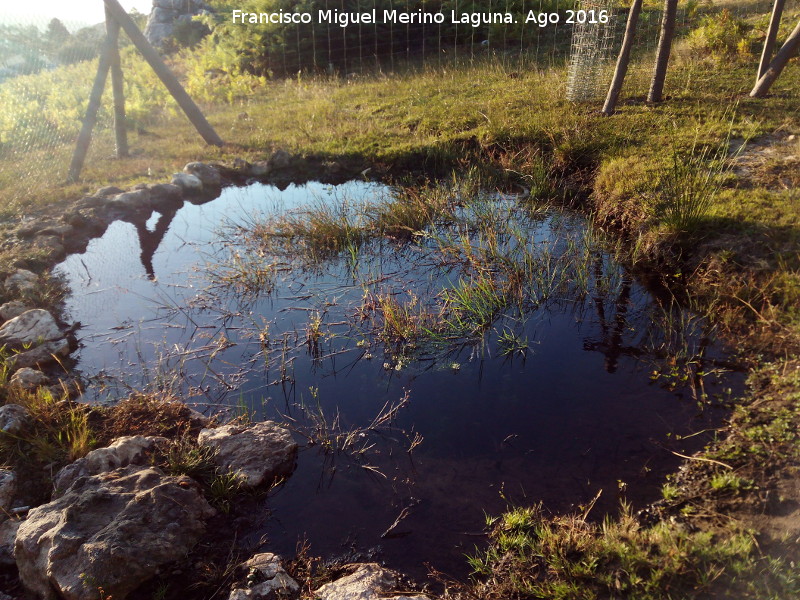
x=578 y=413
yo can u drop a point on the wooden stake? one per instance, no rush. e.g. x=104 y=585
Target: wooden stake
x=772 y=34
x=623 y=60
x=89 y=121
x=118 y=87
x=150 y=54
x=787 y=51
x=664 y=47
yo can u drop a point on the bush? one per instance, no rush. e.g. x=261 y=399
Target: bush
x=722 y=35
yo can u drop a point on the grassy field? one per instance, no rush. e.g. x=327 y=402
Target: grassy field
x=718 y=222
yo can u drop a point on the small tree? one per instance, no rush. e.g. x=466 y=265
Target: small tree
x=57 y=33
x=623 y=60
x=664 y=48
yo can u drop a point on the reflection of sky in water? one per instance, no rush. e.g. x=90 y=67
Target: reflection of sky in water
x=575 y=415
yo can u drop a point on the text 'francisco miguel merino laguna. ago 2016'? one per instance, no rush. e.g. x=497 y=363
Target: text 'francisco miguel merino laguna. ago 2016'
x=343 y=19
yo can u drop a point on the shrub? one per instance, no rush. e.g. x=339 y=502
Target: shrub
x=722 y=35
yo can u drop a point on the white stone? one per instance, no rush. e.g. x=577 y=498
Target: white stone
x=278 y=583
x=369 y=581
x=42 y=355
x=31 y=327
x=260 y=168
x=187 y=182
x=280 y=159
x=260 y=453
x=206 y=173
x=118 y=529
x=8 y=489
x=8 y=533
x=12 y=309
x=13 y=418
x=29 y=379
x=124 y=451
x=22 y=281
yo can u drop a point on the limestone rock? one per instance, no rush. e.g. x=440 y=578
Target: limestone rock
x=369 y=581
x=124 y=451
x=21 y=281
x=166 y=195
x=29 y=379
x=31 y=227
x=167 y=13
x=135 y=200
x=40 y=356
x=8 y=489
x=260 y=168
x=32 y=327
x=267 y=580
x=207 y=174
x=187 y=182
x=177 y=5
x=163 y=15
x=51 y=244
x=240 y=164
x=12 y=309
x=280 y=159
x=157 y=33
x=59 y=231
x=8 y=533
x=114 y=530
x=107 y=191
x=13 y=418
x=261 y=452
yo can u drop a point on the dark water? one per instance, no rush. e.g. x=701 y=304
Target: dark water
x=576 y=413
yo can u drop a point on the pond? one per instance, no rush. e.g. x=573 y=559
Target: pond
x=496 y=355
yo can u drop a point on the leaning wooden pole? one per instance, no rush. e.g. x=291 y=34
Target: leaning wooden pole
x=772 y=34
x=787 y=51
x=150 y=54
x=90 y=120
x=623 y=59
x=118 y=87
x=664 y=47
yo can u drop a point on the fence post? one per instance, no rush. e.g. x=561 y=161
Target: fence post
x=89 y=121
x=118 y=87
x=769 y=43
x=623 y=60
x=774 y=69
x=169 y=80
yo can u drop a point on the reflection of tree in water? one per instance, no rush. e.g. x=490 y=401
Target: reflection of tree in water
x=673 y=344
x=149 y=241
x=611 y=342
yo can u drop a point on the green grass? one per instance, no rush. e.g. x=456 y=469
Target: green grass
x=535 y=555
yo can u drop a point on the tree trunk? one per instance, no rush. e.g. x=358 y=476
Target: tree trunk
x=90 y=120
x=169 y=80
x=664 y=48
x=623 y=59
x=787 y=51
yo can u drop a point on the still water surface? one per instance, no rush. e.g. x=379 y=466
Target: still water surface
x=577 y=411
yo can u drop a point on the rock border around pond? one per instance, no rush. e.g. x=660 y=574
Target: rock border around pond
x=89 y=217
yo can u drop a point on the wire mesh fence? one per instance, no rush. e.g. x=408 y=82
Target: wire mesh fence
x=47 y=67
